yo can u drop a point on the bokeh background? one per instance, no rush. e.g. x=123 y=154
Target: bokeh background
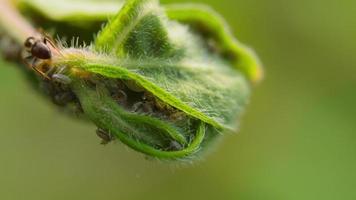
x=297 y=138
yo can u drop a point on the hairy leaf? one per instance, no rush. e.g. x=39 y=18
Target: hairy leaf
x=163 y=80
x=200 y=18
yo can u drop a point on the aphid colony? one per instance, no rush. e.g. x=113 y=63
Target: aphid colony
x=56 y=83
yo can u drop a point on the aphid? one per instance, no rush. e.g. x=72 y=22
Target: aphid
x=121 y=97
x=39 y=49
x=177 y=116
x=60 y=78
x=106 y=137
x=143 y=107
x=63 y=98
x=174 y=146
x=137 y=106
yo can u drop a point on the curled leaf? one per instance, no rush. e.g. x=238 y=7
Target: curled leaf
x=160 y=79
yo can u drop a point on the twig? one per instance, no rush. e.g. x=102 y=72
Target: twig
x=14 y=24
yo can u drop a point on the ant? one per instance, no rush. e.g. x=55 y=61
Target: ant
x=39 y=49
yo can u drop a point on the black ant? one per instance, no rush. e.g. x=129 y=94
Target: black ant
x=39 y=49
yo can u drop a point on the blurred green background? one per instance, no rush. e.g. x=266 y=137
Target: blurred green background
x=297 y=138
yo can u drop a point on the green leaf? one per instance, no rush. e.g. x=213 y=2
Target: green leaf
x=104 y=111
x=72 y=11
x=189 y=74
x=192 y=79
x=201 y=18
x=213 y=27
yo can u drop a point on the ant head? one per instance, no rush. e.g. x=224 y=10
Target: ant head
x=30 y=42
x=38 y=48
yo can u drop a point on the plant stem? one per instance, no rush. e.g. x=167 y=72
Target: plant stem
x=14 y=24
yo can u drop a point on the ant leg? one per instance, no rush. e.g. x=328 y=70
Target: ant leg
x=47 y=39
x=62 y=70
x=27 y=60
x=41 y=73
x=38 y=71
x=28 y=57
